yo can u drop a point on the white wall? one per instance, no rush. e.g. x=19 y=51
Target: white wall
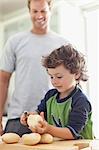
x=71 y=24
x=92 y=37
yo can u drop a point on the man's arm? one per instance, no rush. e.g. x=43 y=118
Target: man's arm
x=4 y=84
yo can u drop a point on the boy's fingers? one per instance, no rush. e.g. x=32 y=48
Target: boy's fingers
x=40 y=130
x=42 y=115
x=32 y=129
x=23 y=119
x=39 y=125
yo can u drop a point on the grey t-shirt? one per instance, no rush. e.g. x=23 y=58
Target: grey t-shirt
x=22 y=54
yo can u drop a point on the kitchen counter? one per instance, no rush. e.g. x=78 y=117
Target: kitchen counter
x=56 y=145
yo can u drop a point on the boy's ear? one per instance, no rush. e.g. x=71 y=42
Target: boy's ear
x=77 y=76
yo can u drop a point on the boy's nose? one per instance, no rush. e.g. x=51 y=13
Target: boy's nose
x=54 y=81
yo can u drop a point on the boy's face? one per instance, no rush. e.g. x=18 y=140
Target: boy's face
x=62 y=79
x=39 y=12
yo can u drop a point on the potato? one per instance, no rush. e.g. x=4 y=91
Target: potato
x=33 y=120
x=46 y=138
x=10 y=138
x=31 y=139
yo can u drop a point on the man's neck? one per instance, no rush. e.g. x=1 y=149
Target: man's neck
x=40 y=32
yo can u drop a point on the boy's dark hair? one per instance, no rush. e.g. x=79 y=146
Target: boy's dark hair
x=48 y=1
x=71 y=59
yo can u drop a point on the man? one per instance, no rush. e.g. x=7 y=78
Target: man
x=22 y=55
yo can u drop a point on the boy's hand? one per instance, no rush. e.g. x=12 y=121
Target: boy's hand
x=23 y=118
x=41 y=127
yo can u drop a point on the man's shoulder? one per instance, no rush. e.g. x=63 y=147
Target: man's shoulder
x=58 y=38
x=19 y=35
x=57 y=35
x=16 y=38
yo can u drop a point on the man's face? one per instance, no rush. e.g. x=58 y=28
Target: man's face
x=39 y=12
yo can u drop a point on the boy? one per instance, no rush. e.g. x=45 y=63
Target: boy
x=66 y=110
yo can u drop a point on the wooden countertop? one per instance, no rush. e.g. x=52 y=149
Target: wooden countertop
x=56 y=145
